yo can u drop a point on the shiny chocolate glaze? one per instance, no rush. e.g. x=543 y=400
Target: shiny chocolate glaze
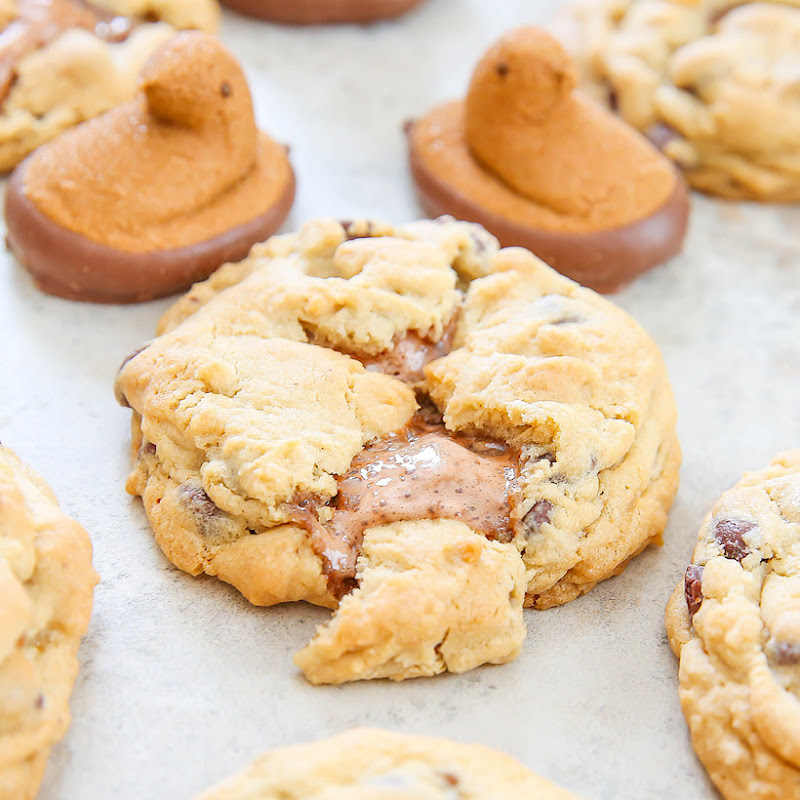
x=420 y=472
x=407 y=359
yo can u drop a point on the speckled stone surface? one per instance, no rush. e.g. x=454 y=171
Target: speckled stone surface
x=183 y=682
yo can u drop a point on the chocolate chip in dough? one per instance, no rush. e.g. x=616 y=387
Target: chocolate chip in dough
x=198 y=502
x=783 y=653
x=728 y=534
x=537 y=516
x=693 y=588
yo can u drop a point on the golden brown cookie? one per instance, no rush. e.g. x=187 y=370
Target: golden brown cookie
x=379 y=765
x=734 y=621
x=46 y=585
x=407 y=424
x=544 y=168
x=157 y=193
x=315 y=12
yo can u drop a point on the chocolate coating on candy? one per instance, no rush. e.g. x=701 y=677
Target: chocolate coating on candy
x=604 y=260
x=156 y=194
x=69 y=265
x=313 y=12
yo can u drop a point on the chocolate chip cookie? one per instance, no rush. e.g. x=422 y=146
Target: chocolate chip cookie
x=46 y=585
x=734 y=621
x=66 y=61
x=714 y=83
x=356 y=414
x=378 y=765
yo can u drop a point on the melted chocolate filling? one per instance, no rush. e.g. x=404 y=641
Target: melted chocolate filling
x=420 y=472
x=40 y=22
x=408 y=357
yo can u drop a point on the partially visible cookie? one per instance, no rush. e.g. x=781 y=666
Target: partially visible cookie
x=66 y=61
x=734 y=621
x=367 y=764
x=357 y=413
x=46 y=585
x=713 y=83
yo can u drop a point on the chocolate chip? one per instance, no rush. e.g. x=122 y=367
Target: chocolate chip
x=728 y=534
x=198 y=502
x=537 y=516
x=718 y=15
x=502 y=69
x=660 y=135
x=39 y=702
x=133 y=355
x=119 y=394
x=477 y=242
x=225 y=89
x=428 y=411
x=450 y=779
x=354 y=231
x=784 y=653
x=692 y=588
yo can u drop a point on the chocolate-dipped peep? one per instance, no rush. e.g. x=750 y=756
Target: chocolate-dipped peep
x=157 y=193
x=545 y=168
x=315 y=12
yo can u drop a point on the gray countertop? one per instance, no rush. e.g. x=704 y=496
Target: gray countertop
x=183 y=682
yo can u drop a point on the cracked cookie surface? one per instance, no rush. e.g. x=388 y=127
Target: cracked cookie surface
x=356 y=382
x=46 y=585
x=367 y=764
x=66 y=61
x=734 y=621
x=713 y=82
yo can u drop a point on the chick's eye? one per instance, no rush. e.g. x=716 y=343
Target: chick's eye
x=501 y=69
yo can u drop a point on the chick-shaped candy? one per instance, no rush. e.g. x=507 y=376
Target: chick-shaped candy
x=156 y=193
x=543 y=167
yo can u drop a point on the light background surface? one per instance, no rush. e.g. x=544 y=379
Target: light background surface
x=183 y=682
